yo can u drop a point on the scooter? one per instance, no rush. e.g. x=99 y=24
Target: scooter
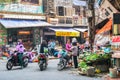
x=63 y=62
x=42 y=61
x=14 y=61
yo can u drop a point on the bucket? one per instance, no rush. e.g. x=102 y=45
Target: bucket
x=113 y=72
x=91 y=71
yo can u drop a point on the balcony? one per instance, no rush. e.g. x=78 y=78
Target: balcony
x=70 y=20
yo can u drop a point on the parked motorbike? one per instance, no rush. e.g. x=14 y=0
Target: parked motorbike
x=42 y=61
x=14 y=61
x=63 y=61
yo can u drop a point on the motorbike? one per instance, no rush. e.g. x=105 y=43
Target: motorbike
x=63 y=61
x=14 y=61
x=42 y=61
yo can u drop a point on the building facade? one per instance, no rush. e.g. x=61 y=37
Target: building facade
x=25 y=19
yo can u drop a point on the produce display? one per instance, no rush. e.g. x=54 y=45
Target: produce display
x=92 y=58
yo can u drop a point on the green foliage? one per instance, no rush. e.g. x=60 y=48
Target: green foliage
x=82 y=64
x=106 y=56
x=91 y=57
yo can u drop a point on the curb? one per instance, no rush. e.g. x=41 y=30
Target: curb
x=53 y=58
x=1 y=58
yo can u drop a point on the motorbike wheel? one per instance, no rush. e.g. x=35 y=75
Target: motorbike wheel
x=41 y=67
x=60 y=66
x=25 y=62
x=9 y=65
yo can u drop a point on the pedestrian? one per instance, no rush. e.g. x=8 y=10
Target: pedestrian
x=74 y=50
x=68 y=48
x=87 y=44
x=68 y=45
x=79 y=50
x=52 y=47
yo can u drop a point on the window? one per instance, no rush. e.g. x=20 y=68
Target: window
x=68 y=20
x=107 y=13
x=61 y=11
x=116 y=23
x=110 y=9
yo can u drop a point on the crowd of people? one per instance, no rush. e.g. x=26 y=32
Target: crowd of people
x=70 y=50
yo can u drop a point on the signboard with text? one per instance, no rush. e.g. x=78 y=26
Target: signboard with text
x=63 y=3
x=115 y=38
x=21 y=8
x=72 y=34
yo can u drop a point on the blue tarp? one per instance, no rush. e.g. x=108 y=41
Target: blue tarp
x=10 y=23
x=83 y=3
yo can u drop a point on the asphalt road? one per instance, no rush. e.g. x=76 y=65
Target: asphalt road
x=32 y=72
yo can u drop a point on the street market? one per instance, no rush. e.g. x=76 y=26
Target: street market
x=61 y=39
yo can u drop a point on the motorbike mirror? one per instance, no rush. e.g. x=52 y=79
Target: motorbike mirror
x=35 y=48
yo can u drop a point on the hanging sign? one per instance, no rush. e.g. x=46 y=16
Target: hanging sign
x=72 y=34
x=115 y=38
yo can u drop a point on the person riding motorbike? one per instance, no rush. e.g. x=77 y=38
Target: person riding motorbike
x=43 y=47
x=64 y=54
x=20 y=50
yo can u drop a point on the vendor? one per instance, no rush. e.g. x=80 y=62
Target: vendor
x=107 y=48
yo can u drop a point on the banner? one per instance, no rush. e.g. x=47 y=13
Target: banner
x=21 y=8
x=72 y=34
x=115 y=39
x=102 y=39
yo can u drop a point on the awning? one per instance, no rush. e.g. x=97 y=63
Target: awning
x=10 y=23
x=106 y=27
x=80 y=29
x=65 y=32
x=101 y=24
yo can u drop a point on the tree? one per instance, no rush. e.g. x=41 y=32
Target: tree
x=91 y=20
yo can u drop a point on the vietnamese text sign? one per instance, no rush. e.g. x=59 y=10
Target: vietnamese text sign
x=21 y=8
x=115 y=38
x=60 y=33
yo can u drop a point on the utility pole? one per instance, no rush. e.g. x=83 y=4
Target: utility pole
x=91 y=21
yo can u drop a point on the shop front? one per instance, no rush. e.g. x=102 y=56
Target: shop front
x=27 y=30
x=61 y=34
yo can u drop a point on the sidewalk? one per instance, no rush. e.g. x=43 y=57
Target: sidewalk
x=107 y=77
x=52 y=57
x=3 y=58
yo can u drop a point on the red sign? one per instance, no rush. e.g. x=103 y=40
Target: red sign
x=115 y=38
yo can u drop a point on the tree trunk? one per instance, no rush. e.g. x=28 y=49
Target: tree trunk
x=92 y=29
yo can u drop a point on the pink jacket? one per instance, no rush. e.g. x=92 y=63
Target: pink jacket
x=68 y=47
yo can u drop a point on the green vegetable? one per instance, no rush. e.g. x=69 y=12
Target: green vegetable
x=82 y=64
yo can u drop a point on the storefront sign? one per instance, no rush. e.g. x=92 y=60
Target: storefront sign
x=115 y=38
x=53 y=21
x=63 y=3
x=72 y=34
x=23 y=16
x=24 y=32
x=21 y=8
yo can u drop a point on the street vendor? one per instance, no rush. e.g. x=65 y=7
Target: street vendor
x=107 y=48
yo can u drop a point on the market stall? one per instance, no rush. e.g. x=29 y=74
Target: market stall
x=115 y=57
x=98 y=62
